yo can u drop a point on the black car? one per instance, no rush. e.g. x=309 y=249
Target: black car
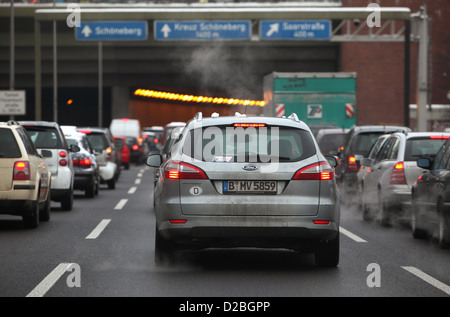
x=431 y=198
x=357 y=146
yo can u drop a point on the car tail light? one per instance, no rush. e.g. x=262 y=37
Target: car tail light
x=85 y=163
x=439 y=137
x=398 y=174
x=62 y=161
x=135 y=147
x=181 y=170
x=320 y=171
x=22 y=171
x=321 y=222
x=177 y=221
x=352 y=166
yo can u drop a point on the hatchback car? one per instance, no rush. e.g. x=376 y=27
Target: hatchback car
x=356 y=146
x=102 y=142
x=243 y=181
x=431 y=197
x=87 y=173
x=331 y=140
x=49 y=136
x=393 y=172
x=24 y=178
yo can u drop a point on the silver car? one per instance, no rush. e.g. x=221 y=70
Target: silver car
x=243 y=181
x=386 y=187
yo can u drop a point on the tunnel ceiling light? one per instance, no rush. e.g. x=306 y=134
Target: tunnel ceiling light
x=196 y=99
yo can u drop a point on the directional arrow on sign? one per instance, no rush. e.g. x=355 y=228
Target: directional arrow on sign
x=166 y=30
x=86 y=31
x=274 y=28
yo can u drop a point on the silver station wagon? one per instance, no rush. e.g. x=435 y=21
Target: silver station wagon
x=243 y=181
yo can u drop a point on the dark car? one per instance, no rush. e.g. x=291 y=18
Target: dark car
x=358 y=143
x=431 y=198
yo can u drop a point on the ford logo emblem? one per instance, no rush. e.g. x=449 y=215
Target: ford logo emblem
x=250 y=168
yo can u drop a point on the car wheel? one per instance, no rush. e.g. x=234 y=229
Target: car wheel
x=32 y=219
x=164 y=249
x=90 y=189
x=67 y=201
x=417 y=231
x=111 y=183
x=444 y=227
x=45 y=214
x=383 y=211
x=327 y=252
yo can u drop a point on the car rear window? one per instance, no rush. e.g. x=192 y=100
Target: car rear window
x=262 y=144
x=364 y=142
x=332 y=142
x=98 y=141
x=421 y=147
x=44 y=138
x=8 y=144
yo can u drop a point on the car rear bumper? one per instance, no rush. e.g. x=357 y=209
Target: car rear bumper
x=267 y=232
x=108 y=171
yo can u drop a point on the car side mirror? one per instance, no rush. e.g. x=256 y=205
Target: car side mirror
x=46 y=153
x=424 y=163
x=331 y=160
x=154 y=160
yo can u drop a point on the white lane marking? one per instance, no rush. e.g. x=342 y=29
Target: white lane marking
x=121 y=204
x=427 y=278
x=137 y=181
x=132 y=190
x=47 y=283
x=139 y=175
x=351 y=235
x=99 y=229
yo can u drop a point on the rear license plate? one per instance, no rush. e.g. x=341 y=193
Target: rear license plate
x=258 y=187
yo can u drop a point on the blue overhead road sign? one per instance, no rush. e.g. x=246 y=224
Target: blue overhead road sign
x=202 y=30
x=295 y=30
x=111 y=31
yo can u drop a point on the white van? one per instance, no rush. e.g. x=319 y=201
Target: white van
x=126 y=127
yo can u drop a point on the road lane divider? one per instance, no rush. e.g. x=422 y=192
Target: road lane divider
x=121 y=204
x=427 y=278
x=99 y=229
x=43 y=287
x=132 y=190
x=137 y=181
x=352 y=236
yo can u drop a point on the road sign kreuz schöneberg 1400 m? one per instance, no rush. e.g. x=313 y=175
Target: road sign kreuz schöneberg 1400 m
x=111 y=31
x=202 y=30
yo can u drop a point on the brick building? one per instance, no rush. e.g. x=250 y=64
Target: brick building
x=380 y=68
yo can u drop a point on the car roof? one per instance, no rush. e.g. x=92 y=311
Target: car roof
x=422 y=134
x=333 y=131
x=377 y=128
x=46 y=124
x=291 y=121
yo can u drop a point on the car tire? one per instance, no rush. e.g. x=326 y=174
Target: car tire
x=444 y=227
x=417 y=231
x=383 y=211
x=45 y=214
x=111 y=183
x=164 y=249
x=67 y=201
x=327 y=252
x=31 y=220
x=90 y=189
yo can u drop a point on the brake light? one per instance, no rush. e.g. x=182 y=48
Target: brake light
x=352 y=166
x=125 y=119
x=177 y=221
x=135 y=147
x=320 y=171
x=182 y=170
x=85 y=131
x=247 y=125
x=85 y=163
x=62 y=154
x=439 y=137
x=321 y=222
x=398 y=174
x=21 y=171
x=62 y=161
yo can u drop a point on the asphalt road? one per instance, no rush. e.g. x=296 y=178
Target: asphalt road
x=104 y=247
